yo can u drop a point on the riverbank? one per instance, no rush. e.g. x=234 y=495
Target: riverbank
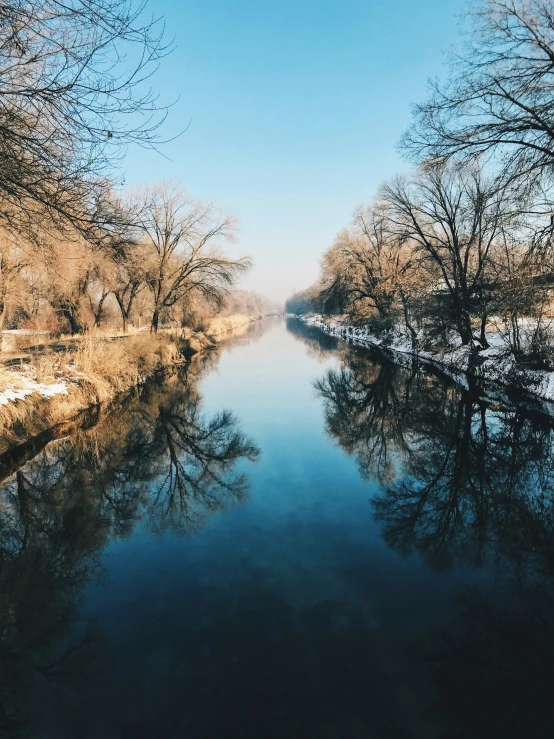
x=52 y=386
x=493 y=368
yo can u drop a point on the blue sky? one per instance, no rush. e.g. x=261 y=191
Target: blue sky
x=295 y=110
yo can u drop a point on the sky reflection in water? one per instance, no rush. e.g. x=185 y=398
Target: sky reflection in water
x=351 y=549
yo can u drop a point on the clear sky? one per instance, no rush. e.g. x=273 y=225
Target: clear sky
x=295 y=110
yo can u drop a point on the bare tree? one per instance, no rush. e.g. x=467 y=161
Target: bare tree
x=365 y=269
x=121 y=251
x=449 y=244
x=455 y=218
x=183 y=240
x=100 y=283
x=15 y=256
x=499 y=97
x=129 y=280
x=69 y=266
x=73 y=93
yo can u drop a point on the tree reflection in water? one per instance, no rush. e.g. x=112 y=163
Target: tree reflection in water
x=462 y=482
x=160 y=461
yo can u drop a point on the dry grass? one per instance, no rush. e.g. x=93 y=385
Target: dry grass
x=95 y=372
x=234 y=324
x=95 y=369
x=45 y=367
x=10 y=380
x=109 y=366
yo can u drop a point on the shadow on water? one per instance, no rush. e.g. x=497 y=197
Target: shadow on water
x=161 y=462
x=461 y=483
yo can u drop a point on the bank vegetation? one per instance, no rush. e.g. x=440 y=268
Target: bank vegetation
x=455 y=261
x=101 y=285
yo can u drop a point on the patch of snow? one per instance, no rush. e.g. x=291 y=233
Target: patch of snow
x=28 y=387
x=494 y=363
x=56 y=388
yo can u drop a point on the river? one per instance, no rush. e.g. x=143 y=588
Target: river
x=294 y=538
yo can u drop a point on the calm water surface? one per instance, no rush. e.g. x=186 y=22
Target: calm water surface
x=295 y=538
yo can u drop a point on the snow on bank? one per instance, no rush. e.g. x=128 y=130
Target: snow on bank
x=22 y=386
x=21 y=383
x=491 y=365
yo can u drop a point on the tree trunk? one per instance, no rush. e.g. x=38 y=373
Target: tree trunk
x=516 y=341
x=3 y=306
x=74 y=325
x=2 y=316
x=100 y=310
x=483 y=333
x=462 y=315
x=124 y=311
x=70 y=311
x=155 y=321
x=464 y=327
x=409 y=326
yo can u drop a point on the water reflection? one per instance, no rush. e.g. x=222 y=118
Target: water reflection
x=462 y=483
x=317 y=343
x=161 y=462
x=290 y=616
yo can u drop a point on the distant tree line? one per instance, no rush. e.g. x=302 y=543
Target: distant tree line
x=464 y=243
x=75 y=89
